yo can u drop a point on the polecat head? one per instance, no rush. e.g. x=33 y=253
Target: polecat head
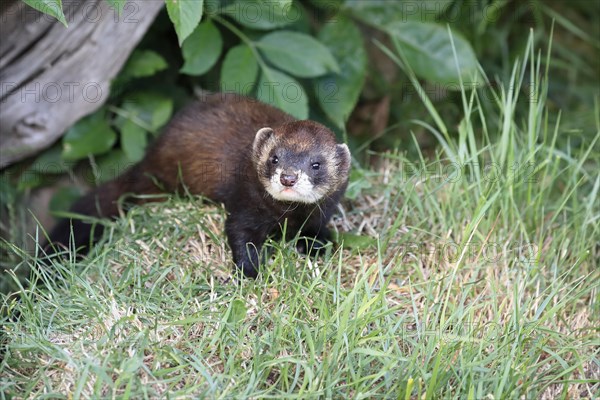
x=300 y=161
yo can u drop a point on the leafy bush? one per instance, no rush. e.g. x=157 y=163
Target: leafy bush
x=319 y=60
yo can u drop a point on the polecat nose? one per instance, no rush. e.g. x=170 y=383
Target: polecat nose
x=288 y=179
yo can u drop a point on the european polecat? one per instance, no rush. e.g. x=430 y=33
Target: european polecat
x=265 y=166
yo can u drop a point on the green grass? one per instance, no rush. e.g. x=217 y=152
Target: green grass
x=470 y=274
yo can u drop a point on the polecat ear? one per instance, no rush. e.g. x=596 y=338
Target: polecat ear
x=262 y=137
x=344 y=157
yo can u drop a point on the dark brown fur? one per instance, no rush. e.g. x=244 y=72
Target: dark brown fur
x=208 y=149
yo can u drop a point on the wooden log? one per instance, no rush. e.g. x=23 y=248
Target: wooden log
x=52 y=75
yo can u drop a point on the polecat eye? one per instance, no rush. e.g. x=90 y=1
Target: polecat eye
x=274 y=159
x=316 y=165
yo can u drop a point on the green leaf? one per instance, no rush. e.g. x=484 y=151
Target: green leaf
x=91 y=135
x=118 y=5
x=8 y=192
x=379 y=13
x=239 y=70
x=264 y=14
x=31 y=179
x=50 y=162
x=133 y=141
x=358 y=182
x=361 y=242
x=202 y=49
x=299 y=54
x=63 y=199
x=50 y=7
x=331 y=5
x=283 y=92
x=185 y=15
x=428 y=50
x=149 y=109
x=143 y=63
x=338 y=93
x=111 y=166
x=237 y=311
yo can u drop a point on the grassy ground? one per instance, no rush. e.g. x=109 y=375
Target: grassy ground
x=472 y=274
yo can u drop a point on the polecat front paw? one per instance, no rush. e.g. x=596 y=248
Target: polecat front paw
x=314 y=247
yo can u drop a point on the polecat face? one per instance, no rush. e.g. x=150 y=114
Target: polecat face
x=300 y=161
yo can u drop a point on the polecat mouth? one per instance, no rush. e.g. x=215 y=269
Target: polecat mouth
x=301 y=191
x=291 y=194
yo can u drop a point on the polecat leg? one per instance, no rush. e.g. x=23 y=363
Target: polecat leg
x=82 y=233
x=245 y=243
x=313 y=240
